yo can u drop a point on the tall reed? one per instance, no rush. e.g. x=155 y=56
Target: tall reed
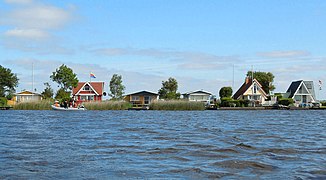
x=107 y=105
x=34 y=105
x=177 y=105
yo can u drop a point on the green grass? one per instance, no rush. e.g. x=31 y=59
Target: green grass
x=107 y=105
x=36 y=105
x=177 y=105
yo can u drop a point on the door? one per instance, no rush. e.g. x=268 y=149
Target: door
x=147 y=100
x=304 y=99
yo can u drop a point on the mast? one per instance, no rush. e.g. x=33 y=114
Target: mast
x=252 y=84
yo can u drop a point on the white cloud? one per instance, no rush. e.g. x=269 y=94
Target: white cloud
x=283 y=54
x=187 y=60
x=34 y=34
x=31 y=26
x=19 y=1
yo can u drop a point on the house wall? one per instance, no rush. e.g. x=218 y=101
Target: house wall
x=28 y=98
x=200 y=97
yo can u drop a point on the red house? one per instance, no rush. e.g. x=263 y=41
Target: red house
x=88 y=91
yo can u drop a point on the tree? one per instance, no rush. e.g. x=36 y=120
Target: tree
x=62 y=94
x=266 y=79
x=225 y=92
x=169 y=89
x=116 y=87
x=47 y=92
x=65 y=77
x=8 y=81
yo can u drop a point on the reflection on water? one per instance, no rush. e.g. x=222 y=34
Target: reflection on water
x=163 y=144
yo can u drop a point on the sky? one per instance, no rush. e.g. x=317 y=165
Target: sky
x=204 y=45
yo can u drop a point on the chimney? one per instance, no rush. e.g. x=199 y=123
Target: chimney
x=247 y=79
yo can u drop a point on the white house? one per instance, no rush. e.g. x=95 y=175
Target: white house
x=301 y=92
x=251 y=90
x=27 y=96
x=199 y=95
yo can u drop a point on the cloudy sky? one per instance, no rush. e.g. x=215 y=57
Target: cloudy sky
x=200 y=43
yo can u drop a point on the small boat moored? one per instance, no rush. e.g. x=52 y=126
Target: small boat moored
x=81 y=108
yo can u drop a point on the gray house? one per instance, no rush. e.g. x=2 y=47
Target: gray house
x=302 y=92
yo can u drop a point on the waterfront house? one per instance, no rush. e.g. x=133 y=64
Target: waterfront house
x=141 y=99
x=251 y=90
x=302 y=92
x=88 y=91
x=26 y=96
x=199 y=95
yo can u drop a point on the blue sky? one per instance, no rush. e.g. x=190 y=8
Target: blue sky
x=196 y=42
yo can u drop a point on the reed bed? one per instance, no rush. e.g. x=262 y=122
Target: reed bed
x=177 y=105
x=107 y=105
x=36 y=105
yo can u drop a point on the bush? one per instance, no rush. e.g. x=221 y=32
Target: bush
x=229 y=102
x=285 y=101
x=107 y=105
x=35 y=105
x=323 y=103
x=244 y=103
x=177 y=105
x=3 y=101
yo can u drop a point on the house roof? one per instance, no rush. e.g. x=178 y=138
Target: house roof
x=197 y=92
x=26 y=93
x=293 y=88
x=295 y=85
x=97 y=87
x=141 y=93
x=245 y=86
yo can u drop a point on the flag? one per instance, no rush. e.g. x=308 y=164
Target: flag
x=92 y=75
x=320 y=84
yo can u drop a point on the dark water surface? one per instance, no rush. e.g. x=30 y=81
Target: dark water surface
x=163 y=144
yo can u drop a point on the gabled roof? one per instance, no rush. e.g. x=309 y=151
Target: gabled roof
x=197 y=92
x=293 y=88
x=97 y=87
x=245 y=86
x=142 y=93
x=295 y=85
x=26 y=93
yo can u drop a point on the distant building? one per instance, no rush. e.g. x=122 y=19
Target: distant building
x=141 y=98
x=26 y=96
x=88 y=91
x=199 y=95
x=301 y=92
x=251 y=90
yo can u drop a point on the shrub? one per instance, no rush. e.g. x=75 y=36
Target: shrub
x=229 y=102
x=107 y=105
x=177 y=105
x=35 y=105
x=285 y=101
x=3 y=101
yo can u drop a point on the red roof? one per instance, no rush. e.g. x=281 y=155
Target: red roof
x=97 y=86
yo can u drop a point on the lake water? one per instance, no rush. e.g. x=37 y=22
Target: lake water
x=163 y=144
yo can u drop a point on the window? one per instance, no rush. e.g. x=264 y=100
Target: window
x=135 y=98
x=86 y=88
x=255 y=88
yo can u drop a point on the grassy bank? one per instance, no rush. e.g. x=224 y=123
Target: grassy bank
x=177 y=105
x=37 y=105
x=107 y=105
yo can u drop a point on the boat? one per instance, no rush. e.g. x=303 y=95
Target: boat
x=82 y=108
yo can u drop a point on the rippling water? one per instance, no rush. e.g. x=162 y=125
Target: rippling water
x=163 y=144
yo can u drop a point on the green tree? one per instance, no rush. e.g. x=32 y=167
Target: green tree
x=47 y=92
x=65 y=77
x=169 y=89
x=62 y=94
x=225 y=92
x=116 y=87
x=8 y=81
x=266 y=79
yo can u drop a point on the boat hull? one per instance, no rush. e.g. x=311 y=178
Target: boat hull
x=67 y=109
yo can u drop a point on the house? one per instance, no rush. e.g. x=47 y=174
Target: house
x=141 y=98
x=26 y=96
x=302 y=92
x=88 y=91
x=251 y=90
x=199 y=95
